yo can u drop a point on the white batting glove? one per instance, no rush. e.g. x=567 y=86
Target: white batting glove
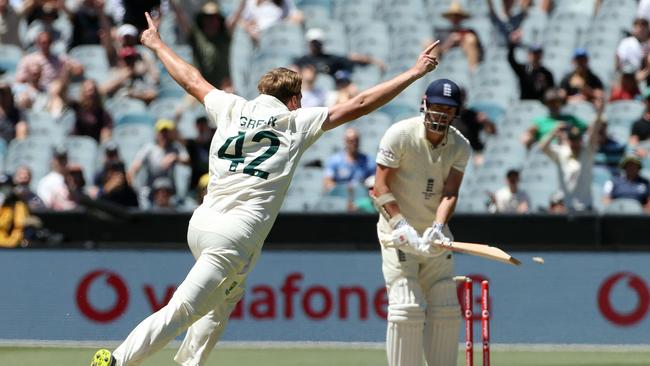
x=406 y=239
x=434 y=233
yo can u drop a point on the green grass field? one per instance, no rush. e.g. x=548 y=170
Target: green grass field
x=31 y=356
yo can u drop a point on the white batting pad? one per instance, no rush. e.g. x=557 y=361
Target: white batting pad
x=442 y=327
x=405 y=324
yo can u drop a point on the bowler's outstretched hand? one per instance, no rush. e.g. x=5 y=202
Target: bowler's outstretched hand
x=150 y=37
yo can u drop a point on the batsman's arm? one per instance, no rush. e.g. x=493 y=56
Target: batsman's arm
x=383 y=197
x=449 y=196
x=186 y=75
x=375 y=97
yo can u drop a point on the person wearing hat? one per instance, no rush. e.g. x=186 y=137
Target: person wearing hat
x=158 y=159
x=574 y=158
x=632 y=50
x=420 y=167
x=210 y=36
x=254 y=153
x=327 y=63
x=581 y=84
x=458 y=35
x=554 y=99
x=162 y=193
x=534 y=78
x=132 y=77
x=640 y=132
x=629 y=183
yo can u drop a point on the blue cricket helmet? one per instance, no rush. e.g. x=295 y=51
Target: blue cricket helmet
x=443 y=91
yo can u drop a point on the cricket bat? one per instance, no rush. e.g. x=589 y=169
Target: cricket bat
x=481 y=250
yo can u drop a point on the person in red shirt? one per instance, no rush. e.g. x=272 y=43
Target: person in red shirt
x=627 y=87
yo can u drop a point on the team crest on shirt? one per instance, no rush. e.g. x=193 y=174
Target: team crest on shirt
x=428 y=193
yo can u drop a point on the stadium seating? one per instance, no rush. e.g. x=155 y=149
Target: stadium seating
x=623 y=206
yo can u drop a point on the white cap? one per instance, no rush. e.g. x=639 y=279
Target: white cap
x=127 y=30
x=315 y=34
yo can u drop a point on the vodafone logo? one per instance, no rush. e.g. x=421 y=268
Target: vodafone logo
x=94 y=311
x=636 y=284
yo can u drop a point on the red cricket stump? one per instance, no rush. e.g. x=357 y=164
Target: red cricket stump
x=485 y=321
x=469 y=323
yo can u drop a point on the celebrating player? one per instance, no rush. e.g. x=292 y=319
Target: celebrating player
x=420 y=167
x=253 y=156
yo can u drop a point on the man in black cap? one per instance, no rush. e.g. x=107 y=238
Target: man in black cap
x=420 y=167
x=534 y=78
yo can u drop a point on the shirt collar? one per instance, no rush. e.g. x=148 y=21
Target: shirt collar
x=270 y=101
x=447 y=141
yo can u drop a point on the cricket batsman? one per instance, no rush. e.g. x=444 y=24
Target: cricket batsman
x=420 y=167
x=253 y=156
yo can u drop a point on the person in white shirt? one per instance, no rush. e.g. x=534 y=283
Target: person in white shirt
x=510 y=199
x=253 y=156
x=420 y=167
x=53 y=183
x=574 y=159
x=633 y=49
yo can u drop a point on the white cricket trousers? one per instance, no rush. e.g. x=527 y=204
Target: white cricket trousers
x=203 y=301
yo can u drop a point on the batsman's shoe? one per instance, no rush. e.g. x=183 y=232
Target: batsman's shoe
x=103 y=357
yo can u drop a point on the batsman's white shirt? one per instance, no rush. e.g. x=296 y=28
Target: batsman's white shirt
x=253 y=156
x=422 y=170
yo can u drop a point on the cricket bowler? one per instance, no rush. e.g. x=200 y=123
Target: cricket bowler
x=253 y=156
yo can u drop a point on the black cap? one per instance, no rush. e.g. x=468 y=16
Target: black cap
x=443 y=91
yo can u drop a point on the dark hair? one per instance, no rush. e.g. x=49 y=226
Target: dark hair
x=512 y=172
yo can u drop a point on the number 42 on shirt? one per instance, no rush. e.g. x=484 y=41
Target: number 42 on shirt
x=238 y=157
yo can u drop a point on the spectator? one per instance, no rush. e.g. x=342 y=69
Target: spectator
x=460 y=36
x=507 y=22
x=365 y=203
x=22 y=180
x=199 y=150
x=91 y=119
x=542 y=125
x=74 y=193
x=30 y=92
x=471 y=123
x=202 y=188
x=510 y=199
x=158 y=159
x=632 y=50
x=12 y=120
x=88 y=22
x=14 y=214
x=259 y=15
x=210 y=36
x=163 y=193
x=329 y=64
x=312 y=95
x=610 y=151
x=557 y=205
x=45 y=15
x=626 y=87
x=131 y=78
x=115 y=187
x=52 y=66
x=9 y=24
x=581 y=84
x=629 y=183
x=534 y=78
x=54 y=182
x=344 y=90
x=111 y=156
x=349 y=167
x=575 y=160
x=641 y=128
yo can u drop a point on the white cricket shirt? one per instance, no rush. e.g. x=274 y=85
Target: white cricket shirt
x=422 y=169
x=253 y=156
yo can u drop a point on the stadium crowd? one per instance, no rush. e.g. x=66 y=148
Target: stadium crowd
x=558 y=100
